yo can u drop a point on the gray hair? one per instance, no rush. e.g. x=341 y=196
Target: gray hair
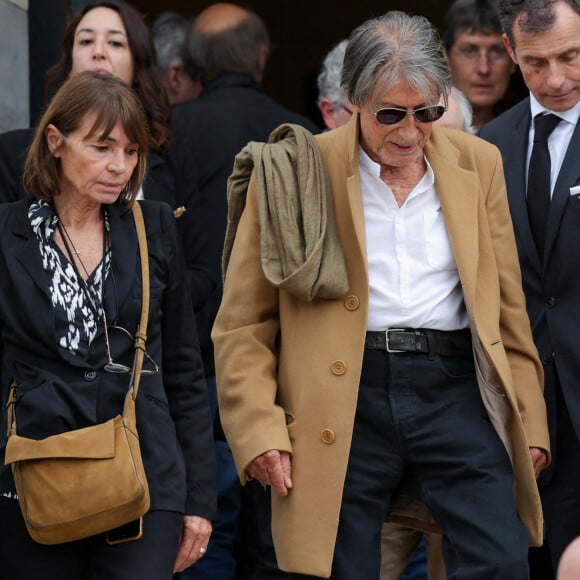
x=532 y=16
x=169 y=32
x=329 y=78
x=395 y=48
x=464 y=107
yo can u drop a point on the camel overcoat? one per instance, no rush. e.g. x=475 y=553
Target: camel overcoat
x=288 y=370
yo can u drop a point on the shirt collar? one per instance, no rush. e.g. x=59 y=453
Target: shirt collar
x=570 y=116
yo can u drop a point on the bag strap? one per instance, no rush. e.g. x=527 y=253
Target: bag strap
x=10 y=414
x=141 y=334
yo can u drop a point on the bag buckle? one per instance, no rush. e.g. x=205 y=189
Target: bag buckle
x=130 y=532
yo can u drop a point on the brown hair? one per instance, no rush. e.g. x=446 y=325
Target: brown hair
x=111 y=101
x=147 y=79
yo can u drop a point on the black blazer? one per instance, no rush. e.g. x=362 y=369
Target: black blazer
x=58 y=392
x=231 y=111
x=551 y=285
x=169 y=179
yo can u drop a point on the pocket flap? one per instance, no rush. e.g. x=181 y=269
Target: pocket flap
x=96 y=442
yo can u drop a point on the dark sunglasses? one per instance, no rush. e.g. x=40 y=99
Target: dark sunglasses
x=393 y=115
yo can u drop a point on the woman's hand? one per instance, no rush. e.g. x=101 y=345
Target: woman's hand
x=193 y=544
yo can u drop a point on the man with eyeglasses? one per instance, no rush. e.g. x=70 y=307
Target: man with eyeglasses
x=480 y=65
x=227 y=48
x=396 y=353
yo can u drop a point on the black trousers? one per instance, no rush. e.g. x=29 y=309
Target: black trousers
x=150 y=558
x=561 y=494
x=420 y=422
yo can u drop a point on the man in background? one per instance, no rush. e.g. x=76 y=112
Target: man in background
x=459 y=114
x=169 y=32
x=333 y=104
x=539 y=139
x=227 y=49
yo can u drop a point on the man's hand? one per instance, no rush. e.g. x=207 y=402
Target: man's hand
x=193 y=544
x=539 y=459
x=272 y=468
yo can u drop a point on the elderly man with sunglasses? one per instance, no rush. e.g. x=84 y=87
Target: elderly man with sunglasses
x=397 y=353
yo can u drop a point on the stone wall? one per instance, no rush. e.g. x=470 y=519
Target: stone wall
x=14 y=87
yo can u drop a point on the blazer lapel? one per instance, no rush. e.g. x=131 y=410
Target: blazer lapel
x=26 y=249
x=569 y=175
x=457 y=191
x=125 y=256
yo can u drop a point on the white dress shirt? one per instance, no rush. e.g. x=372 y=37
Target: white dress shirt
x=413 y=276
x=558 y=140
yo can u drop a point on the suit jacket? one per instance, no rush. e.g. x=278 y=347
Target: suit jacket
x=58 y=391
x=551 y=284
x=231 y=111
x=288 y=371
x=170 y=180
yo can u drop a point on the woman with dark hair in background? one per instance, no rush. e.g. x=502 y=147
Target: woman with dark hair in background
x=128 y=53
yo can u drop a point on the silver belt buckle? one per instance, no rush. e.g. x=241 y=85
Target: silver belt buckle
x=389 y=349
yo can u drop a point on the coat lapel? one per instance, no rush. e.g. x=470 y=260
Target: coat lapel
x=26 y=249
x=125 y=255
x=342 y=166
x=355 y=198
x=356 y=212
x=457 y=190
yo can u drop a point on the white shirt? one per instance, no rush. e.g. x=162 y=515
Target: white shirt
x=413 y=277
x=558 y=140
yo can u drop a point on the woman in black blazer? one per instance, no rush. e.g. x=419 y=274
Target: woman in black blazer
x=127 y=51
x=70 y=297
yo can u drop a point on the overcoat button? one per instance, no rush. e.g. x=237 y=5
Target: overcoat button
x=327 y=436
x=338 y=367
x=352 y=302
x=90 y=375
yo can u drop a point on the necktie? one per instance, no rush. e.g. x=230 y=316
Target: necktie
x=539 y=178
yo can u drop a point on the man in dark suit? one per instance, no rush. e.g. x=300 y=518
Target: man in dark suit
x=227 y=48
x=543 y=38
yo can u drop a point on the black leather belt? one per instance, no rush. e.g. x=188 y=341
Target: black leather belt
x=445 y=343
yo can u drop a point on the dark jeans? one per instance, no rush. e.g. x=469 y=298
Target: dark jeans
x=221 y=560
x=561 y=496
x=150 y=558
x=417 y=567
x=420 y=420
